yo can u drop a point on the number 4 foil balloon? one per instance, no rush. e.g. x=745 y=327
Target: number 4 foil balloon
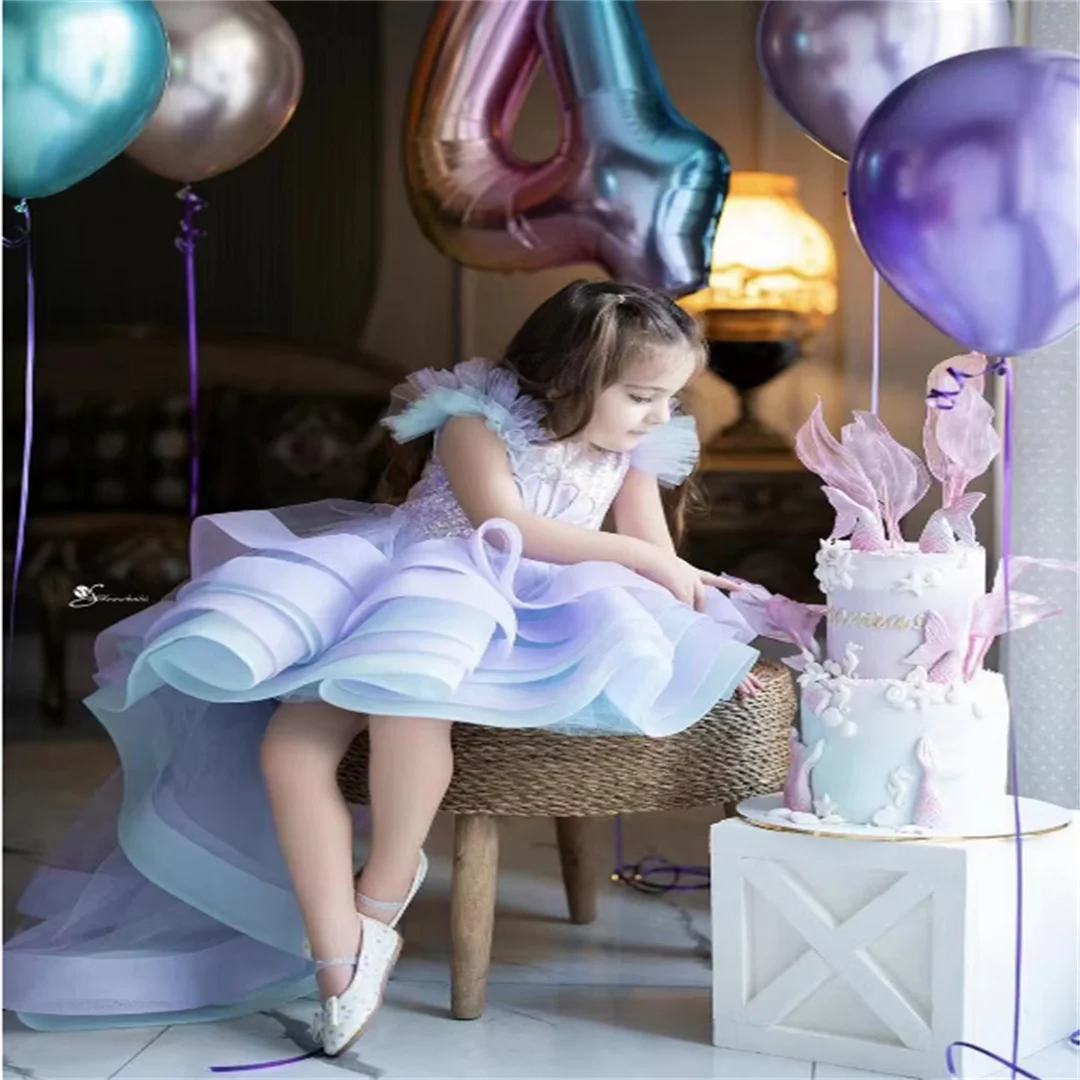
x=632 y=186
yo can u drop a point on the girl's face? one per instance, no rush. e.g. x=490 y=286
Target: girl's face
x=629 y=409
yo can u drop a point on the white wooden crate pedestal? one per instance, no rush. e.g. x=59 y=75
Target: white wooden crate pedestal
x=879 y=954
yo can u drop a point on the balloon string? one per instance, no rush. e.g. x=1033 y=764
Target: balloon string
x=275 y=1064
x=22 y=240
x=188 y=240
x=946 y=399
x=1014 y=757
x=875 y=355
x=640 y=876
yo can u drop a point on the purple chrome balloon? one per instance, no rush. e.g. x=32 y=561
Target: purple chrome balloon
x=964 y=191
x=829 y=63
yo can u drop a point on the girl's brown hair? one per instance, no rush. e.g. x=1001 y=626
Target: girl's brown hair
x=574 y=346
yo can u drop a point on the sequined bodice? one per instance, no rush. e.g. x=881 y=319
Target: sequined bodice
x=564 y=480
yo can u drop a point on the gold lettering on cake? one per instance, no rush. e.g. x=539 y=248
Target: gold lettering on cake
x=872 y=620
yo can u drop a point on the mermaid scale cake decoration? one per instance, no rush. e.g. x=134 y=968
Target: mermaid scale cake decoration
x=902 y=728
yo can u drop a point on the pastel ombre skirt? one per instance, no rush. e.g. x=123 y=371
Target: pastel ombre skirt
x=170 y=901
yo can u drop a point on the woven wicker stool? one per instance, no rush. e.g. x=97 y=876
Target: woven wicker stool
x=740 y=749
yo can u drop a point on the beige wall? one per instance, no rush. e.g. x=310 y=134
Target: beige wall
x=705 y=51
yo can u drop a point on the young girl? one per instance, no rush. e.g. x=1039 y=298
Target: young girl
x=489 y=596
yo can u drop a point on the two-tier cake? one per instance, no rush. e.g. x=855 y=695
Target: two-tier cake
x=901 y=728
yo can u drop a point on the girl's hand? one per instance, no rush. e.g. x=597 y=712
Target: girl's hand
x=685 y=582
x=718 y=581
x=751 y=686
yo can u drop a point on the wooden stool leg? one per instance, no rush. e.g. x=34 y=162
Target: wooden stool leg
x=575 y=836
x=472 y=911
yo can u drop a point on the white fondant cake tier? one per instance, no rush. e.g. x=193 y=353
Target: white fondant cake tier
x=878 y=600
x=896 y=752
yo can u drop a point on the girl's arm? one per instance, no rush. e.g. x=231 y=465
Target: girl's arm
x=639 y=511
x=478 y=469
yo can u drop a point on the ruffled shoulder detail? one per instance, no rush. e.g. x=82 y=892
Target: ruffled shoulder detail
x=668 y=452
x=428 y=398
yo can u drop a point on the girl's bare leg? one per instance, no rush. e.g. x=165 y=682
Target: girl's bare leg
x=410 y=769
x=303 y=746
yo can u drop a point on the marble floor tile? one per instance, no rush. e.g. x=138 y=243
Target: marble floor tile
x=1058 y=1062
x=839 y=1072
x=627 y=996
x=526 y=1033
x=70 y=1055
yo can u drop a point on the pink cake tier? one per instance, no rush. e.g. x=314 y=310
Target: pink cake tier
x=878 y=600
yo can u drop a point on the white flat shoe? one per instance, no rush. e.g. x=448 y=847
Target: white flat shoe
x=390 y=905
x=344 y=1017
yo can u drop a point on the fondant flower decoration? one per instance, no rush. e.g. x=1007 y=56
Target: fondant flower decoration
x=834 y=567
x=812 y=673
x=896 y=693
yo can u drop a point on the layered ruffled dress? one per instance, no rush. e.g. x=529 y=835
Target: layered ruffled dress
x=170 y=901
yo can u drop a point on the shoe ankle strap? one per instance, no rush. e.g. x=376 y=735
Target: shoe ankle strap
x=379 y=905
x=337 y=961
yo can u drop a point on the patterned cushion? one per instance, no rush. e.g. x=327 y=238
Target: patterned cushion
x=132 y=454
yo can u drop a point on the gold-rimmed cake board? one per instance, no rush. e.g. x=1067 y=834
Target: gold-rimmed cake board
x=997 y=822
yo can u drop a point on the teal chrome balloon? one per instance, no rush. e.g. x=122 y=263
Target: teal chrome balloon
x=81 y=78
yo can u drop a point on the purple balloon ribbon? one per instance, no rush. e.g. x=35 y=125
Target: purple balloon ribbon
x=946 y=399
x=189 y=239
x=278 y=1064
x=640 y=875
x=875 y=365
x=22 y=240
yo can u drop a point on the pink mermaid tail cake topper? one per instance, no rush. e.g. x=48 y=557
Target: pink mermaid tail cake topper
x=991 y=618
x=944 y=649
x=798 y=795
x=873 y=482
x=930 y=810
x=952 y=524
x=776 y=617
x=959 y=441
x=870 y=479
x=860 y=523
